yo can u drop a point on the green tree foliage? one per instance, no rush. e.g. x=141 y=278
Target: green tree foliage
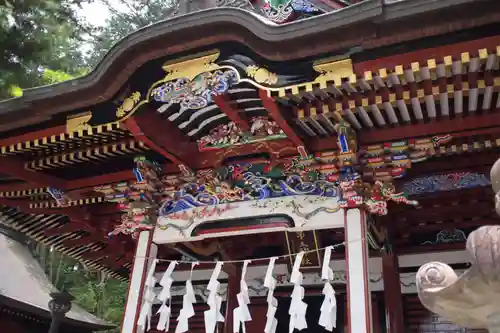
x=93 y=290
x=38 y=34
x=127 y=16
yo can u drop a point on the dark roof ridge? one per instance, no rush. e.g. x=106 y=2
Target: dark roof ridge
x=374 y=10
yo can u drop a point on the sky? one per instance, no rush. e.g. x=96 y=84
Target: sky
x=96 y=13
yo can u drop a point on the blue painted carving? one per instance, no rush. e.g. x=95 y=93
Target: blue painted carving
x=445 y=182
x=197 y=93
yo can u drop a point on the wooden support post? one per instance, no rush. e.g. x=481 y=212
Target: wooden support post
x=145 y=249
x=233 y=288
x=392 y=290
x=359 y=319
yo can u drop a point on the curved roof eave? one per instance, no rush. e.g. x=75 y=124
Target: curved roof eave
x=258 y=26
x=93 y=86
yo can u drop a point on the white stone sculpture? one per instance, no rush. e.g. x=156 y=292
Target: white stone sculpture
x=473 y=299
x=495 y=183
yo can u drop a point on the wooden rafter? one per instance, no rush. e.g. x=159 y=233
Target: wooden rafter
x=225 y=105
x=35 y=135
x=162 y=137
x=273 y=109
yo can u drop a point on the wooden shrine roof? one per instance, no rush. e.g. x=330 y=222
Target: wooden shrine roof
x=437 y=94
x=26 y=286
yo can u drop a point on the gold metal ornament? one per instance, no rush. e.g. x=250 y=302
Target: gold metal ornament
x=128 y=104
x=261 y=75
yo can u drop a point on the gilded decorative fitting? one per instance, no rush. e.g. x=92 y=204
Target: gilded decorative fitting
x=262 y=75
x=334 y=71
x=128 y=104
x=191 y=67
x=78 y=122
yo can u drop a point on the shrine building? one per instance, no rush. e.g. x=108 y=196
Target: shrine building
x=283 y=129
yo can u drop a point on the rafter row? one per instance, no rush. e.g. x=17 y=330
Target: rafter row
x=94 y=154
x=81 y=137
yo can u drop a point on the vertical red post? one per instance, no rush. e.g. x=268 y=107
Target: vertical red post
x=392 y=291
x=233 y=288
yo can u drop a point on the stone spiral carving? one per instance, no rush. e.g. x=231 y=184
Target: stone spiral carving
x=472 y=299
x=434 y=276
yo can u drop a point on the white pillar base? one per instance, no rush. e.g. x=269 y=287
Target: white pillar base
x=145 y=249
x=358 y=285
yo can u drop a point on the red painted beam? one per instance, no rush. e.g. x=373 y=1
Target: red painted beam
x=273 y=109
x=225 y=105
x=423 y=55
x=161 y=136
x=451 y=126
x=15 y=168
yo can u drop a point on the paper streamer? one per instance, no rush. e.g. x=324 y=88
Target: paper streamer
x=144 y=320
x=272 y=302
x=165 y=295
x=213 y=314
x=242 y=314
x=188 y=300
x=328 y=316
x=298 y=307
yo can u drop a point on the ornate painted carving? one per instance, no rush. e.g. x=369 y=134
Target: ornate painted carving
x=392 y=159
x=470 y=300
x=195 y=93
x=373 y=198
x=281 y=11
x=228 y=135
x=137 y=200
x=267 y=190
x=445 y=182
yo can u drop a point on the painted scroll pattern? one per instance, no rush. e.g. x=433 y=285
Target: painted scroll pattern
x=446 y=182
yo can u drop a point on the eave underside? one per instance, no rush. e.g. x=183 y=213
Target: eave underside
x=447 y=92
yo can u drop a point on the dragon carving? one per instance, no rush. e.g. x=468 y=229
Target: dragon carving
x=373 y=198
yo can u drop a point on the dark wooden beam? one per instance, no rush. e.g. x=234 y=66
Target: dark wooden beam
x=441 y=213
x=225 y=105
x=392 y=288
x=273 y=109
x=14 y=167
